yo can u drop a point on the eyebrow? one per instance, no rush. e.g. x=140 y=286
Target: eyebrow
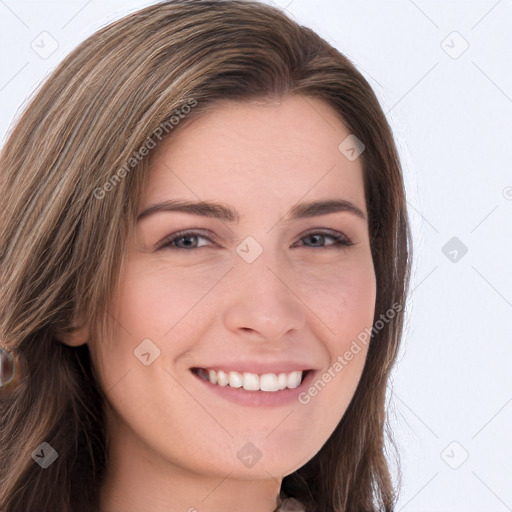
x=229 y=214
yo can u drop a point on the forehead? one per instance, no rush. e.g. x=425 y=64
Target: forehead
x=258 y=154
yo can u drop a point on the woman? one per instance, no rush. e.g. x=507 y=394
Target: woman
x=205 y=257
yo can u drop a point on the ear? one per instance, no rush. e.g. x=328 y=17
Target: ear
x=75 y=338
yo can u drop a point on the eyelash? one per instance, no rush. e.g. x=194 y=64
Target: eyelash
x=340 y=241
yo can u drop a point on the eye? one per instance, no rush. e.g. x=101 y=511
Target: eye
x=326 y=239
x=185 y=240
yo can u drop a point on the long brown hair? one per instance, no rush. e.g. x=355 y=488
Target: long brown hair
x=63 y=233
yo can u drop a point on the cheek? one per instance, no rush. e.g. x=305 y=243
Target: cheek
x=343 y=298
x=155 y=298
x=154 y=302
x=344 y=301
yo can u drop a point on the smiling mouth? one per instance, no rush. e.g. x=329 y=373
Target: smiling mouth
x=267 y=382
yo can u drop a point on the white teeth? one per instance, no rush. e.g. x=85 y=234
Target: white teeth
x=235 y=380
x=251 y=382
x=293 y=379
x=269 y=382
x=222 y=378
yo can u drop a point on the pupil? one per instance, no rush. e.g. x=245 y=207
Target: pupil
x=188 y=241
x=316 y=239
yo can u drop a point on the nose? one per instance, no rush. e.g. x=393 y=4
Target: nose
x=260 y=300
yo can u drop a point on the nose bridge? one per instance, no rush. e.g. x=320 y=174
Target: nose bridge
x=260 y=294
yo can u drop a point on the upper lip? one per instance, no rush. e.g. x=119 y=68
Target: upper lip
x=257 y=366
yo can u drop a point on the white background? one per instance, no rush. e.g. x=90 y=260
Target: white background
x=452 y=119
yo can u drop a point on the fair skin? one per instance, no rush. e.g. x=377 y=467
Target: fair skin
x=175 y=442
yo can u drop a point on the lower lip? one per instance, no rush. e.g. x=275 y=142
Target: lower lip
x=259 y=398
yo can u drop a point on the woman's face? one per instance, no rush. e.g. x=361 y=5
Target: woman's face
x=261 y=283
